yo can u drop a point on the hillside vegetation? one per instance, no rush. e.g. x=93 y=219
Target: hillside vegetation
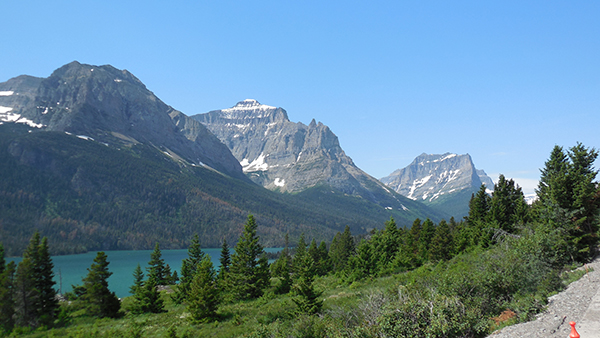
x=451 y=279
x=84 y=196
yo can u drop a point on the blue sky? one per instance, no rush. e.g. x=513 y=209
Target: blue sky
x=502 y=81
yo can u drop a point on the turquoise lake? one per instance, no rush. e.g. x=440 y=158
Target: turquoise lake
x=70 y=269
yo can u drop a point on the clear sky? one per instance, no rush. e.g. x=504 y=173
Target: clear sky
x=504 y=81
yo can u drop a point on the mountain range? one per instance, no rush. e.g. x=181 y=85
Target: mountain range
x=95 y=161
x=291 y=157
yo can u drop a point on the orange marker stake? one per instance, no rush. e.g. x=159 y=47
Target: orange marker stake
x=574 y=333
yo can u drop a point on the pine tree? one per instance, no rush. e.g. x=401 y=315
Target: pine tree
x=386 y=244
x=425 y=237
x=99 y=300
x=225 y=260
x=137 y=290
x=299 y=254
x=48 y=304
x=244 y=275
x=157 y=272
x=342 y=248
x=306 y=297
x=479 y=206
x=324 y=263
x=35 y=301
x=26 y=295
x=441 y=244
x=507 y=206
x=204 y=298
x=281 y=269
x=188 y=269
x=7 y=306
x=567 y=187
x=151 y=300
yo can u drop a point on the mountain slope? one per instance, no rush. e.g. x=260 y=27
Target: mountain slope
x=291 y=157
x=114 y=107
x=84 y=196
x=444 y=181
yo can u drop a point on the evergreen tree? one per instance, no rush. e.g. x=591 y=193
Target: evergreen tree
x=425 y=237
x=554 y=186
x=441 y=244
x=157 y=272
x=567 y=187
x=203 y=300
x=35 y=294
x=152 y=302
x=507 y=206
x=306 y=297
x=385 y=246
x=225 y=260
x=26 y=295
x=7 y=306
x=99 y=300
x=342 y=247
x=324 y=263
x=281 y=269
x=146 y=297
x=362 y=264
x=188 y=269
x=48 y=304
x=299 y=254
x=479 y=206
x=246 y=279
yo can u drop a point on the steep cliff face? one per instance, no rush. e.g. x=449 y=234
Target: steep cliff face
x=111 y=106
x=446 y=179
x=291 y=157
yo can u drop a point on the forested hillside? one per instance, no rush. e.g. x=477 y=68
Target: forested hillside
x=84 y=195
x=452 y=278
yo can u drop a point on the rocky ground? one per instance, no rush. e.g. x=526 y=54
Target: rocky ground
x=579 y=302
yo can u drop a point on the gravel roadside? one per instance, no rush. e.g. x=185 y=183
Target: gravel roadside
x=569 y=305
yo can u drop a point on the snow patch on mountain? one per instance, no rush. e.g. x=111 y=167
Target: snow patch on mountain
x=258 y=164
x=279 y=182
x=6 y=93
x=7 y=116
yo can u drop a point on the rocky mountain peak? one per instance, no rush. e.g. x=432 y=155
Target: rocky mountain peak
x=291 y=157
x=112 y=106
x=436 y=178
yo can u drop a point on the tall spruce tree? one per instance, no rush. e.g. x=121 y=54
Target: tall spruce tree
x=306 y=297
x=26 y=295
x=204 y=296
x=246 y=274
x=48 y=304
x=281 y=269
x=7 y=306
x=225 y=260
x=342 y=248
x=35 y=300
x=507 y=207
x=98 y=299
x=146 y=298
x=188 y=269
x=567 y=187
x=157 y=272
x=299 y=254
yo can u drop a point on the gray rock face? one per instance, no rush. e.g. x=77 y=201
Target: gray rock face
x=286 y=156
x=430 y=177
x=114 y=107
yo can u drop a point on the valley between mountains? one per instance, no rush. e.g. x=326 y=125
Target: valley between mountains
x=94 y=160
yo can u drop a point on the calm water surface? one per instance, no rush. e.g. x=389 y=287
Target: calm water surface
x=70 y=269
